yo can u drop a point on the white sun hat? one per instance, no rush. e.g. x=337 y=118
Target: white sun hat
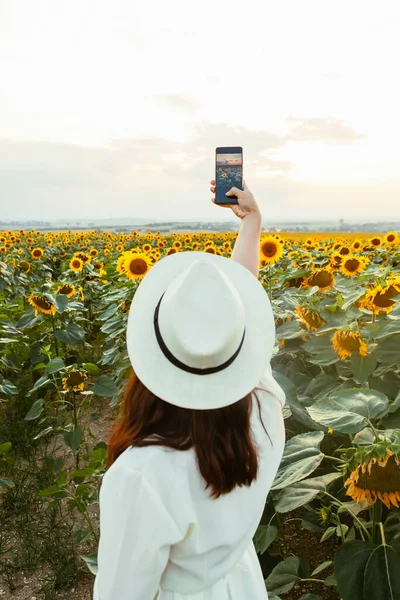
x=201 y=331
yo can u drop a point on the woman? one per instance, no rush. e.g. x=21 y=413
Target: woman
x=201 y=436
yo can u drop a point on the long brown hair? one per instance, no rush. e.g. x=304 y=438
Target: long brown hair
x=225 y=451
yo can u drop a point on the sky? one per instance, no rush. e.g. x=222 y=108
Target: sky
x=114 y=109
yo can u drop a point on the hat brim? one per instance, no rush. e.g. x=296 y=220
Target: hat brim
x=176 y=385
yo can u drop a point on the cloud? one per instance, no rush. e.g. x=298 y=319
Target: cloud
x=180 y=101
x=161 y=179
x=321 y=129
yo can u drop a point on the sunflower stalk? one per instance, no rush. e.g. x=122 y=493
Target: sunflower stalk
x=270 y=282
x=340 y=504
x=75 y=426
x=374 y=431
x=376 y=518
x=54 y=333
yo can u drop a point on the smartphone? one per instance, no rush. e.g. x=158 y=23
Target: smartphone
x=228 y=173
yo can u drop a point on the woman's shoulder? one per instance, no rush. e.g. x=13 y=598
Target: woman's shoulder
x=158 y=464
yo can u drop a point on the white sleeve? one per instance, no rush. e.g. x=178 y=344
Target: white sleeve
x=136 y=533
x=271 y=385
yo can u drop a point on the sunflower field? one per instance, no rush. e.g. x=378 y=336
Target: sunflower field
x=65 y=298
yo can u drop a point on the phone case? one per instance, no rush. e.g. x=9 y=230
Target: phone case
x=228 y=173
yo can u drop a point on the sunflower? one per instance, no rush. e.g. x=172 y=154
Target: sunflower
x=85 y=258
x=270 y=250
x=352 y=265
x=76 y=264
x=345 y=342
x=41 y=304
x=37 y=253
x=324 y=514
x=356 y=245
x=136 y=265
x=94 y=252
x=380 y=299
x=376 y=242
x=23 y=264
x=321 y=277
x=375 y=476
x=74 y=381
x=66 y=288
x=344 y=251
x=309 y=317
x=391 y=238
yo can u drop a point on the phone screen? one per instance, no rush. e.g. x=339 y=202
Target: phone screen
x=228 y=173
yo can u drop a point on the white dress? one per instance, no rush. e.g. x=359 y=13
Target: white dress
x=161 y=532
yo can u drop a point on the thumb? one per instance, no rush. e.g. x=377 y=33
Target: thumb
x=233 y=190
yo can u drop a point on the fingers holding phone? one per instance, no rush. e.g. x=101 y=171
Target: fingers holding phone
x=246 y=203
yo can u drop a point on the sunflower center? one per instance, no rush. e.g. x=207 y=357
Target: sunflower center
x=66 y=289
x=42 y=303
x=138 y=266
x=350 y=342
x=75 y=379
x=352 y=264
x=269 y=249
x=382 y=299
x=322 y=279
x=76 y=264
x=383 y=479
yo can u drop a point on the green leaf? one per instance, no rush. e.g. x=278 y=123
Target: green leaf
x=321 y=567
x=286 y=384
x=309 y=597
x=352 y=297
x=264 y=537
x=55 y=365
x=38 y=384
x=382 y=574
x=73 y=438
x=5 y=447
x=50 y=491
x=59 y=300
x=350 y=560
x=347 y=411
x=301 y=456
x=325 y=357
x=91 y=368
x=105 y=386
x=290 y=330
x=28 y=319
x=298 y=494
x=363 y=366
x=317 y=344
x=6 y=483
x=327 y=534
x=283 y=577
x=388 y=350
x=91 y=561
x=112 y=309
x=74 y=334
x=43 y=432
x=35 y=411
x=8 y=388
x=390 y=328
x=364 y=570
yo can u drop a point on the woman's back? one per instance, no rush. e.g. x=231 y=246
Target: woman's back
x=210 y=539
